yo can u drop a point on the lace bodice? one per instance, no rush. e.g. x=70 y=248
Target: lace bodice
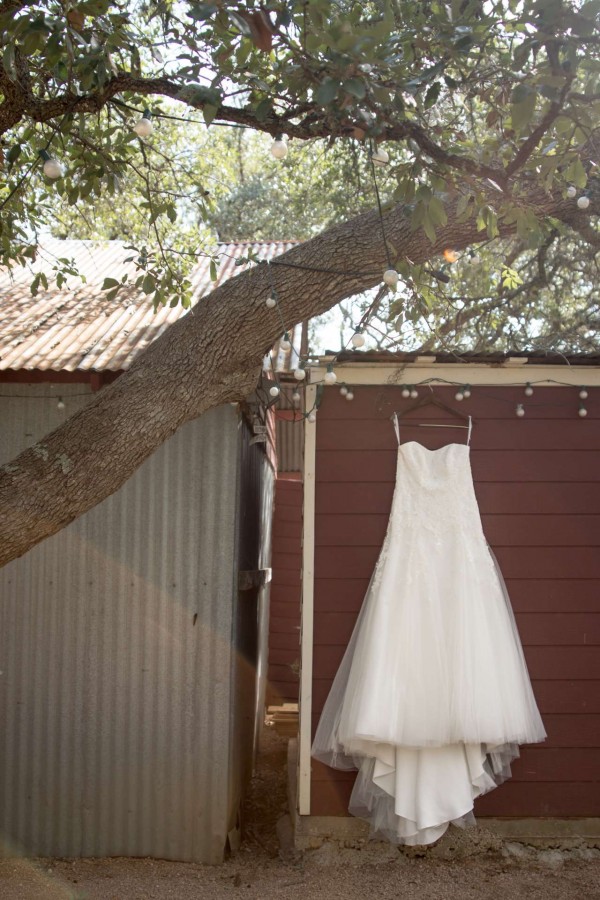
x=433 y=496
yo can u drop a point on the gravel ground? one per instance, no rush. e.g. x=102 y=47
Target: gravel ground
x=258 y=872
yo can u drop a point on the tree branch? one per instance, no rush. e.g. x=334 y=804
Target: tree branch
x=196 y=365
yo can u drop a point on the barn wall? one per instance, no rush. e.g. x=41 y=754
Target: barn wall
x=537 y=481
x=116 y=653
x=284 y=626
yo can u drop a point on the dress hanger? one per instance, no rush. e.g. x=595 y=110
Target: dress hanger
x=432 y=400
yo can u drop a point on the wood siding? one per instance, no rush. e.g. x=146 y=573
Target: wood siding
x=537 y=481
x=284 y=625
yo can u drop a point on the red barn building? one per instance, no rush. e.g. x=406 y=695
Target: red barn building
x=537 y=481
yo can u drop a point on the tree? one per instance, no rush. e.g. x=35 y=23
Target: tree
x=489 y=112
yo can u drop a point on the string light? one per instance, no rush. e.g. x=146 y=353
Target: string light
x=391 y=278
x=312 y=417
x=300 y=372
x=285 y=342
x=405 y=391
x=528 y=389
x=414 y=392
x=357 y=338
x=61 y=403
x=296 y=398
x=274 y=391
x=349 y=395
x=520 y=410
x=279 y=147
x=583 y=202
x=583 y=394
x=271 y=301
x=144 y=127
x=459 y=395
x=343 y=390
x=330 y=376
x=472 y=259
x=52 y=168
x=582 y=411
x=380 y=157
x=467 y=391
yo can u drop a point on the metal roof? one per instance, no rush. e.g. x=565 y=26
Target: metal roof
x=529 y=357
x=76 y=327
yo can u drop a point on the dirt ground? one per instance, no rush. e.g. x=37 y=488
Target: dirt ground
x=257 y=871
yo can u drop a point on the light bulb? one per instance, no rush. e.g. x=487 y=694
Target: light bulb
x=60 y=404
x=390 y=277
x=405 y=391
x=414 y=393
x=380 y=157
x=279 y=148
x=520 y=410
x=583 y=202
x=285 y=342
x=571 y=192
x=274 y=391
x=330 y=377
x=459 y=395
x=296 y=398
x=467 y=391
x=349 y=396
x=312 y=417
x=52 y=168
x=528 y=390
x=582 y=411
x=343 y=390
x=144 y=127
x=299 y=374
x=357 y=339
x=473 y=259
x=583 y=393
x=271 y=302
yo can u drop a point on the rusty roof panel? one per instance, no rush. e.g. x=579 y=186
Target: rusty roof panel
x=77 y=328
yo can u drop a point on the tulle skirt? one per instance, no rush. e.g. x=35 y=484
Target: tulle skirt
x=432 y=697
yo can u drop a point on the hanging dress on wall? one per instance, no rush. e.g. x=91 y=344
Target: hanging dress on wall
x=433 y=696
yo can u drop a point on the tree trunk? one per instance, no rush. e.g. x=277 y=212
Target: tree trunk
x=211 y=356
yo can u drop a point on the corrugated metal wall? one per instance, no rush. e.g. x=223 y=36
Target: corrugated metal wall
x=284 y=625
x=115 y=653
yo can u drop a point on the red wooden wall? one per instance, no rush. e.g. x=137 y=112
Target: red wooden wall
x=284 y=625
x=537 y=481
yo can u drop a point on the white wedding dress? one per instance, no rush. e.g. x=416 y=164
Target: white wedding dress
x=433 y=696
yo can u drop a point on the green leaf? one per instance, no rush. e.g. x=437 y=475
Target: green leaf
x=209 y=112
x=521 y=112
x=436 y=212
x=326 y=92
x=14 y=153
x=356 y=87
x=213 y=270
x=110 y=283
x=149 y=283
x=264 y=109
x=432 y=94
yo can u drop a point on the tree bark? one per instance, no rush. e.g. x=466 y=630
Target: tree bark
x=211 y=356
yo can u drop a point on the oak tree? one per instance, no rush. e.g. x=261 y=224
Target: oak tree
x=483 y=117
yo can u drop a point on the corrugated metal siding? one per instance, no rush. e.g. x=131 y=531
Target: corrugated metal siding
x=538 y=486
x=290 y=444
x=77 y=328
x=284 y=624
x=115 y=649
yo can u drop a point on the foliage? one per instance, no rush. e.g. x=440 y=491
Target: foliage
x=483 y=105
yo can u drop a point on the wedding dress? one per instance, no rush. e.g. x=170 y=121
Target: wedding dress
x=433 y=696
